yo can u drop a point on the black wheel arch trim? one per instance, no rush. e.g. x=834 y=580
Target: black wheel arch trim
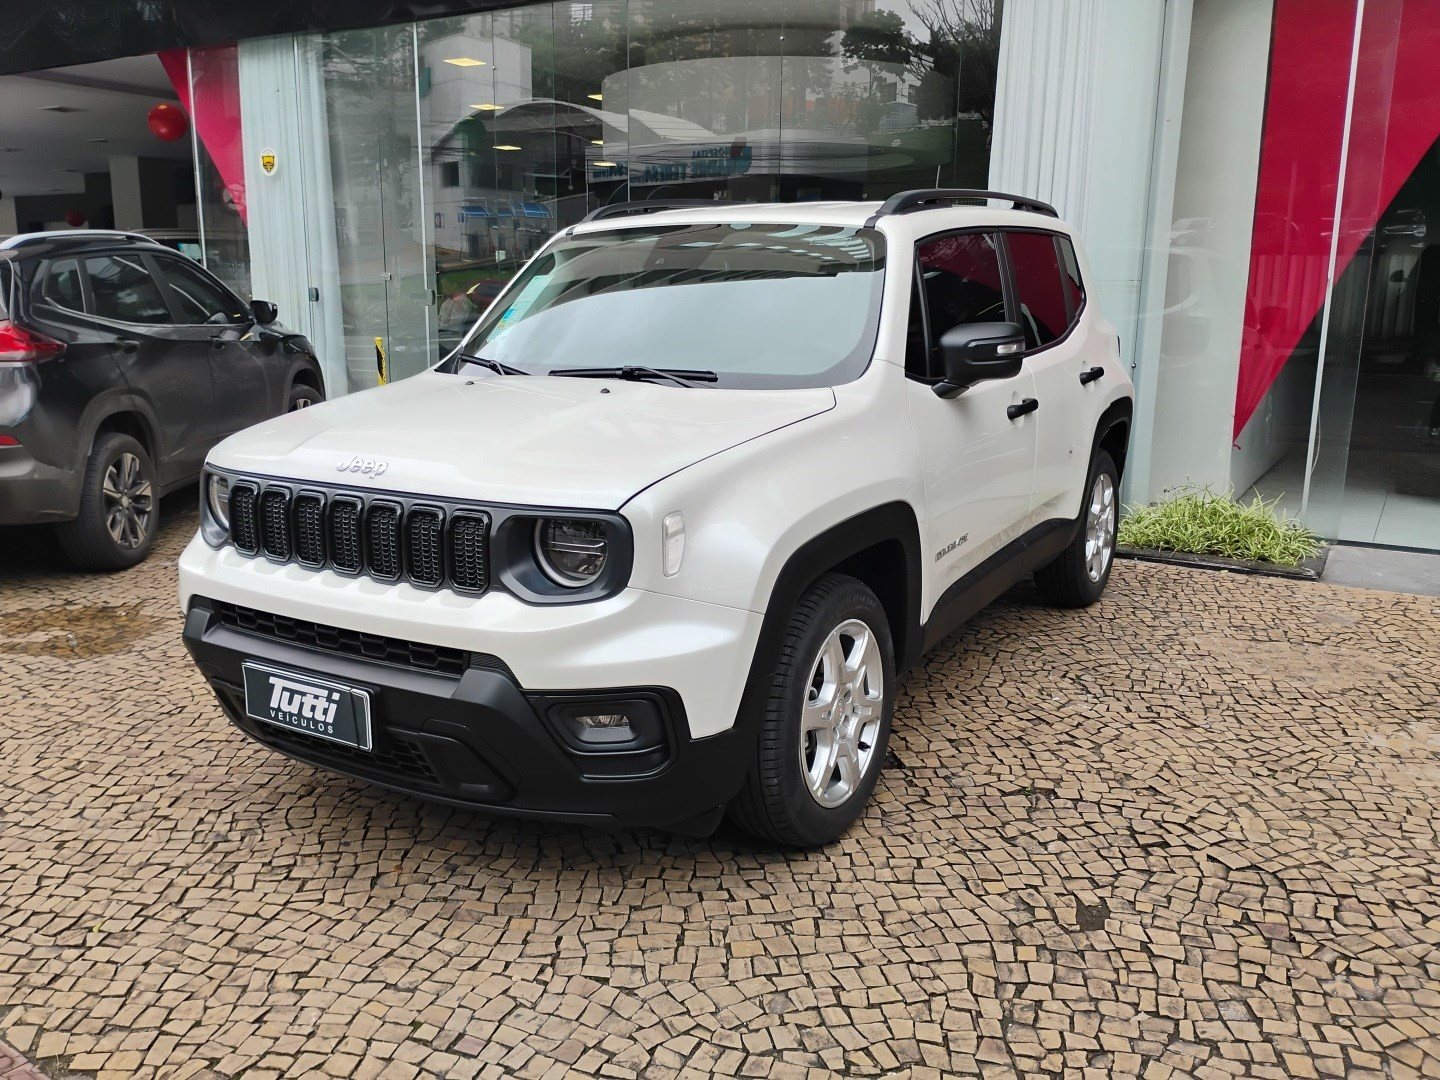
x=305 y=372
x=1118 y=412
x=888 y=523
x=106 y=407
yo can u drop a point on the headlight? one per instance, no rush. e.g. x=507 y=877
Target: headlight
x=571 y=551
x=217 y=495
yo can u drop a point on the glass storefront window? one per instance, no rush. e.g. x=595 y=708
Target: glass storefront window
x=214 y=105
x=459 y=145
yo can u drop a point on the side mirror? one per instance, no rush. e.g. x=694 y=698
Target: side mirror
x=264 y=312
x=973 y=352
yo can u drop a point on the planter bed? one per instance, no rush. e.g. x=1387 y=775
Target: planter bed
x=1309 y=570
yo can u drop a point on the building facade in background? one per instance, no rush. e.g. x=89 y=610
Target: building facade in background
x=1257 y=182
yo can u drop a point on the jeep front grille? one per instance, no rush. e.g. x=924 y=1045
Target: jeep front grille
x=275 y=523
x=382 y=539
x=469 y=541
x=244 y=531
x=386 y=538
x=310 y=529
x=345 y=546
x=424 y=537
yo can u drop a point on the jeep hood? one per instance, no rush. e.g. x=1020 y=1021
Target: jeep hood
x=528 y=440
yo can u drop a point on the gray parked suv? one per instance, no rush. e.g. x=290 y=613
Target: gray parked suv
x=121 y=364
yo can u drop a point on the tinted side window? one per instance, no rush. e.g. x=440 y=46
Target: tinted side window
x=1038 y=287
x=124 y=290
x=1070 y=276
x=962 y=282
x=199 y=299
x=62 y=285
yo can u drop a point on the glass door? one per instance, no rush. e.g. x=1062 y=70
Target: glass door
x=1374 y=473
x=382 y=225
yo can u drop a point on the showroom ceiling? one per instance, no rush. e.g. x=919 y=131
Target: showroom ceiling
x=57 y=125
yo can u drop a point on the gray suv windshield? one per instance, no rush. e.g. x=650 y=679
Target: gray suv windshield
x=759 y=304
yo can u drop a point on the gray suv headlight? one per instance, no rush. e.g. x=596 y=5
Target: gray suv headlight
x=215 y=508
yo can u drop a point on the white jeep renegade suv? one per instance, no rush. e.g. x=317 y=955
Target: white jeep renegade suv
x=660 y=538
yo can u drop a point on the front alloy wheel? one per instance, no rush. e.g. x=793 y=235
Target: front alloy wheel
x=840 y=724
x=827 y=719
x=303 y=397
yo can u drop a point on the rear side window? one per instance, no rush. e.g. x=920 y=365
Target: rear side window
x=124 y=290
x=1039 y=290
x=1070 y=276
x=962 y=284
x=62 y=285
x=198 y=299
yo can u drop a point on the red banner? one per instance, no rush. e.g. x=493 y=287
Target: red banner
x=214 y=112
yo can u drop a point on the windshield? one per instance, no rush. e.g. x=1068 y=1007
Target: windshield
x=760 y=305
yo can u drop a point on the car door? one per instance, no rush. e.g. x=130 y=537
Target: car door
x=161 y=368
x=1049 y=304
x=219 y=326
x=977 y=460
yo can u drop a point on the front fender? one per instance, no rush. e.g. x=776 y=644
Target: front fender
x=749 y=509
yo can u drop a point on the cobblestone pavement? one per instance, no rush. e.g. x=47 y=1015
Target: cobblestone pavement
x=1191 y=831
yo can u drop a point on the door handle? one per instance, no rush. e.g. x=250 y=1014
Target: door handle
x=1090 y=375
x=128 y=345
x=1029 y=405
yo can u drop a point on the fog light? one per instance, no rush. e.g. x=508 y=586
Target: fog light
x=604 y=720
x=615 y=726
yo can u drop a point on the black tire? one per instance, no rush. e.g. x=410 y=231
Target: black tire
x=302 y=397
x=1066 y=581
x=776 y=804
x=87 y=541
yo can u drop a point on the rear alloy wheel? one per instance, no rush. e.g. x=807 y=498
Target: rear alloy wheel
x=823 y=736
x=302 y=397
x=119 y=507
x=1078 y=575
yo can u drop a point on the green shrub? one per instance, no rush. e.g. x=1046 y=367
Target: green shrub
x=1200 y=522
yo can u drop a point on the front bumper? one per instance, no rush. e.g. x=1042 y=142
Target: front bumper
x=467 y=733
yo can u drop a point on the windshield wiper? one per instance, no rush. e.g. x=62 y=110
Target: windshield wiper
x=636 y=373
x=494 y=365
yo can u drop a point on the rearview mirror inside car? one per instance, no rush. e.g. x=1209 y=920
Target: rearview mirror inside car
x=973 y=352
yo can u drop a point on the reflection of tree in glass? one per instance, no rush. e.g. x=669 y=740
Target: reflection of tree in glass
x=955 y=56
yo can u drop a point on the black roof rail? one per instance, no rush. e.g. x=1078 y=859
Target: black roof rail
x=923 y=198
x=644 y=206
x=67 y=236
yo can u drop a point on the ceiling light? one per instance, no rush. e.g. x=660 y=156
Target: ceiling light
x=487 y=106
x=507 y=146
x=464 y=61
x=607 y=165
x=597 y=142
x=596 y=97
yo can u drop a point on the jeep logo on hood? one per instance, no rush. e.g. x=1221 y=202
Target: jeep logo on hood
x=371 y=467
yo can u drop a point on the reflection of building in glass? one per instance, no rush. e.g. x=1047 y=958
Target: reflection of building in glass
x=421 y=163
